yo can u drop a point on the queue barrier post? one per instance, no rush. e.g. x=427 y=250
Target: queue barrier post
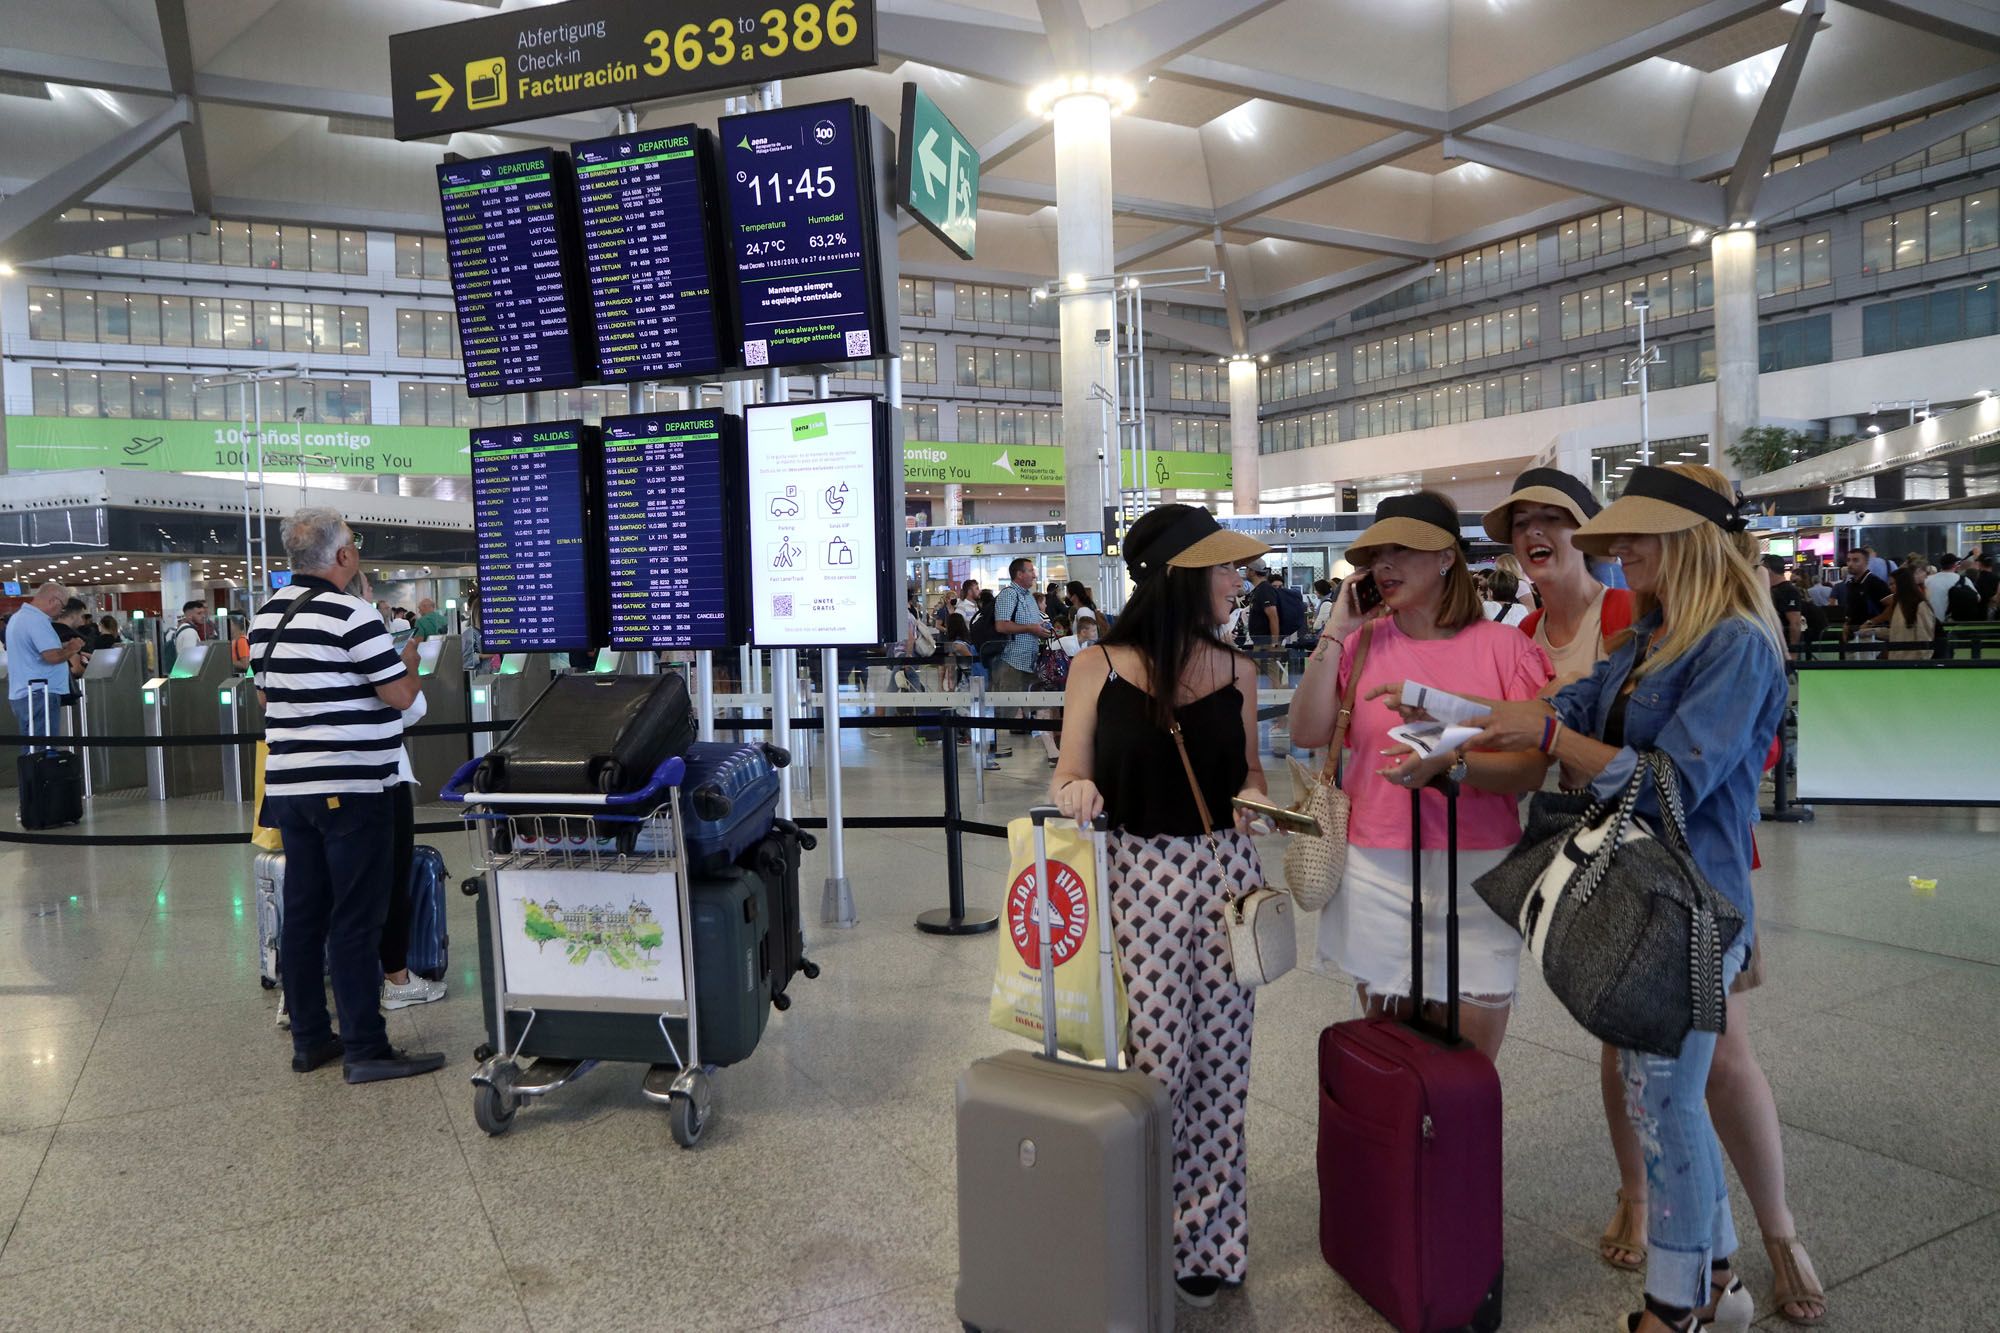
x=836 y=906
x=954 y=919
x=153 y=699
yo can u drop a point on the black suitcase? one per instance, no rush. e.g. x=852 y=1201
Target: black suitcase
x=51 y=781
x=592 y=734
x=775 y=861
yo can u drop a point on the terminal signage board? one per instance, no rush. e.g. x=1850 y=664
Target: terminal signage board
x=648 y=220
x=937 y=172
x=510 y=237
x=800 y=231
x=585 y=54
x=824 y=531
x=672 y=519
x=533 y=517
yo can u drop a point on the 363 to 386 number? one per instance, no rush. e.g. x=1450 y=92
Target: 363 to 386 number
x=773 y=33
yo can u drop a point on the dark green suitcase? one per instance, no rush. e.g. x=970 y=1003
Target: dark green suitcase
x=732 y=969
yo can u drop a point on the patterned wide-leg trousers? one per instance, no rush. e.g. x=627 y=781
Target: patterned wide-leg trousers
x=1191 y=1027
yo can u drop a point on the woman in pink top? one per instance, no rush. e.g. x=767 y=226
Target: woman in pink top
x=1429 y=629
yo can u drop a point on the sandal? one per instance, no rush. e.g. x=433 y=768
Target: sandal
x=1793 y=1280
x=1626 y=1234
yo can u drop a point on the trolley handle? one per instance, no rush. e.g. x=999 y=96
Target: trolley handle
x=665 y=778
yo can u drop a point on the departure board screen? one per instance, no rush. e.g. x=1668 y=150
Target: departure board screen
x=648 y=241
x=801 y=235
x=531 y=516
x=510 y=238
x=670 y=521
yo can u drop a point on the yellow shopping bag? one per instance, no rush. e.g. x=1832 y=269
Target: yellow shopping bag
x=261 y=835
x=1073 y=936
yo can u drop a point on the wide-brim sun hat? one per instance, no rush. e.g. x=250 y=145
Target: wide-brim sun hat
x=1180 y=536
x=1658 y=501
x=1420 y=522
x=1546 y=486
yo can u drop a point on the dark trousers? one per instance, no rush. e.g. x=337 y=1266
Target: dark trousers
x=402 y=863
x=339 y=851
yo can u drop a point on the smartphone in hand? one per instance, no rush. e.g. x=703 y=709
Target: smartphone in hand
x=1367 y=596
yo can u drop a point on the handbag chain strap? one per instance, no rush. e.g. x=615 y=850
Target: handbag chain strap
x=1330 y=770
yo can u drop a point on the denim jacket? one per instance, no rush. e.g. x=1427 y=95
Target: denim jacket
x=1713 y=710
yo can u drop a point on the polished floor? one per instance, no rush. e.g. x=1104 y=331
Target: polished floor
x=162 y=1168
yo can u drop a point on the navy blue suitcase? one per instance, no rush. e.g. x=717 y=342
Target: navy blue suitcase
x=729 y=799
x=430 y=945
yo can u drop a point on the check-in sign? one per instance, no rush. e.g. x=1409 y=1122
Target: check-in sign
x=586 y=54
x=937 y=172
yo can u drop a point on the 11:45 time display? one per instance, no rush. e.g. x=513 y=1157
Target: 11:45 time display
x=817 y=183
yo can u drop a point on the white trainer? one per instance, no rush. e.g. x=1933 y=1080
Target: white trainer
x=284 y=1014
x=416 y=990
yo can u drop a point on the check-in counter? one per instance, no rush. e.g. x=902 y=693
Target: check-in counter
x=111 y=707
x=193 y=703
x=443 y=684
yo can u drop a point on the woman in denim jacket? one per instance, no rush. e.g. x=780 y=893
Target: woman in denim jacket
x=1701 y=677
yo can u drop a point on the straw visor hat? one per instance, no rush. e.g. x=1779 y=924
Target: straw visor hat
x=1546 y=486
x=1658 y=501
x=1184 y=537
x=1419 y=522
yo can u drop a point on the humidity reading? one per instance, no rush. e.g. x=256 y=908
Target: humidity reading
x=508 y=229
x=646 y=215
x=801 y=235
x=669 y=519
x=531 y=518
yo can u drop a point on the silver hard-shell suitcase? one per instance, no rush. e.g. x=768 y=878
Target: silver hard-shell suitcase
x=269 y=871
x=1065 y=1172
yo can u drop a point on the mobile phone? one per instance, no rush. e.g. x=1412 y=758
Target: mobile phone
x=1292 y=821
x=1366 y=595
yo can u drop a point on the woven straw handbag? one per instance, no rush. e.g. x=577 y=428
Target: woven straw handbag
x=1315 y=863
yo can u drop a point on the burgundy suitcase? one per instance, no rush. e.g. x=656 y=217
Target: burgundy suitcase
x=1409 y=1148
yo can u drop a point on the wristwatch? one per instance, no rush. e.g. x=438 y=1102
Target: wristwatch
x=1458 y=770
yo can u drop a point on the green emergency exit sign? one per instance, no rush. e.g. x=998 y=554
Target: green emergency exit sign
x=937 y=172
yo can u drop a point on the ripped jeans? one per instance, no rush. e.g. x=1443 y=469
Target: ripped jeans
x=1687 y=1195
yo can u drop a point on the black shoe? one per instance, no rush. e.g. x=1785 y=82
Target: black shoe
x=324 y=1053
x=393 y=1064
x=1199 y=1292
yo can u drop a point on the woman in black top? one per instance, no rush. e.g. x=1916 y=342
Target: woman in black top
x=1161 y=668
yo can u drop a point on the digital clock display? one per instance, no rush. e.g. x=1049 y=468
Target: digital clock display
x=671 y=515
x=510 y=238
x=531 y=514
x=801 y=234
x=648 y=239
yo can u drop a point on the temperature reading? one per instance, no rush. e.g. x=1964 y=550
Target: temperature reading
x=757 y=248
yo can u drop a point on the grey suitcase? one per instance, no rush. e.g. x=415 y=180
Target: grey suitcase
x=269 y=870
x=1065 y=1173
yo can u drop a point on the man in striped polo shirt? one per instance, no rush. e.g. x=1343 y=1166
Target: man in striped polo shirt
x=334 y=689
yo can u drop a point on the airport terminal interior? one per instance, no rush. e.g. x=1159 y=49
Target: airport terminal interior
x=711 y=352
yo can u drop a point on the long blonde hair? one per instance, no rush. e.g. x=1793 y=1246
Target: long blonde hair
x=1707 y=575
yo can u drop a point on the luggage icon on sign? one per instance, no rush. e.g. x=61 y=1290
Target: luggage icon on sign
x=787 y=556
x=839 y=552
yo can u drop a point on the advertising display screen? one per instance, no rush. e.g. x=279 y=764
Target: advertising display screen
x=531 y=512
x=672 y=510
x=510 y=237
x=648 y=243
x=822 y=533
x=801 y=235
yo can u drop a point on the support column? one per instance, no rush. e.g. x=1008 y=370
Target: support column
x=1083 y=251
x=1736 y=410
x=1245 y=467
x=176 y=590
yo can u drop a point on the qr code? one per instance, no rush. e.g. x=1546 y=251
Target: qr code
x=782 y=606
x=858 y=343
x=756 y=352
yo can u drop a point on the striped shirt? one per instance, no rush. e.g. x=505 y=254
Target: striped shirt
x=328 y=730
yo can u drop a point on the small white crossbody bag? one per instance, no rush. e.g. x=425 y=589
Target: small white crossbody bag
x=1263 y=943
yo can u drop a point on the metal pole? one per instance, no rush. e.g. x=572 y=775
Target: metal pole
x=836 y=906
x=954 y=920
x=83 y=730
x=783 y=676
x=1139 y=373
x=704 y=694
x=982 y=741
x=1645 y=431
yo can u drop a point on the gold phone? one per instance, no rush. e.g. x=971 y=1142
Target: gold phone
x=1292 y=821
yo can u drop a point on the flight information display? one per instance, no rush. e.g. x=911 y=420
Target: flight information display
x=510 y=237
x=648 y=240
x=670 y=512
x=531 y=513
x=801 y=233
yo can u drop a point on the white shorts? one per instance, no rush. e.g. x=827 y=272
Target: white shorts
x=1365 y=930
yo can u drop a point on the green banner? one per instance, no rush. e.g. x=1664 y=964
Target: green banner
x=983 y=464
x=1168 y=470
x=59 y=443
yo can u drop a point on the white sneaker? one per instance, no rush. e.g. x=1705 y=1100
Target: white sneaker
x=284 y=1014
x=414 y=991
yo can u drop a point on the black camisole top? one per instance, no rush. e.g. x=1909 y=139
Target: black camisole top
x=1138 y=767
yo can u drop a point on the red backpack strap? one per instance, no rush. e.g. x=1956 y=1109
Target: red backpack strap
x=1614 y=615
x=1530 y=621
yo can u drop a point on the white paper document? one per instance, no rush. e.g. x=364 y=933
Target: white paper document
x=1445 y=707
x=1431 y=738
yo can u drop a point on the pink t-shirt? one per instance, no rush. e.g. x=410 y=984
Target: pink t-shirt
x=1486 y=659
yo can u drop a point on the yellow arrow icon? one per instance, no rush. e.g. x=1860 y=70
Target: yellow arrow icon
x=437 y=94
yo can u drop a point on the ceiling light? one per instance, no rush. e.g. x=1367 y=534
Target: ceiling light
x=1117 y=92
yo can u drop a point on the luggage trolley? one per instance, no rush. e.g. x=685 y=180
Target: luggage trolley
x=566 y=876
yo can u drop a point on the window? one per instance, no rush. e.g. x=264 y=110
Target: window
x=917 y=297
x=1799 y=342
x=920 y=421
x=1449 y=344
x=1942 y=230
x=1301 y=431
x=1929 y=318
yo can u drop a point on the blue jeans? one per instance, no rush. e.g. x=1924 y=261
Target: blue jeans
x=339 y=855
x=1687 y=1195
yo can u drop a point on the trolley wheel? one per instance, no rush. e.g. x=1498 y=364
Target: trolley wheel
x=483 y=1052
x=268 y=983
x=781 y=1002
x=686 y=1121
x=493 y=1109
x=810 y=968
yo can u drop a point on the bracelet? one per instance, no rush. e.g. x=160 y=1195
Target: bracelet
x=1551 y=732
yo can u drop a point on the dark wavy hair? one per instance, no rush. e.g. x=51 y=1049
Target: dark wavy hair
x=1168 y=619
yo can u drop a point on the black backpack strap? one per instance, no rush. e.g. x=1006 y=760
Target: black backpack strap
x=271 y=645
